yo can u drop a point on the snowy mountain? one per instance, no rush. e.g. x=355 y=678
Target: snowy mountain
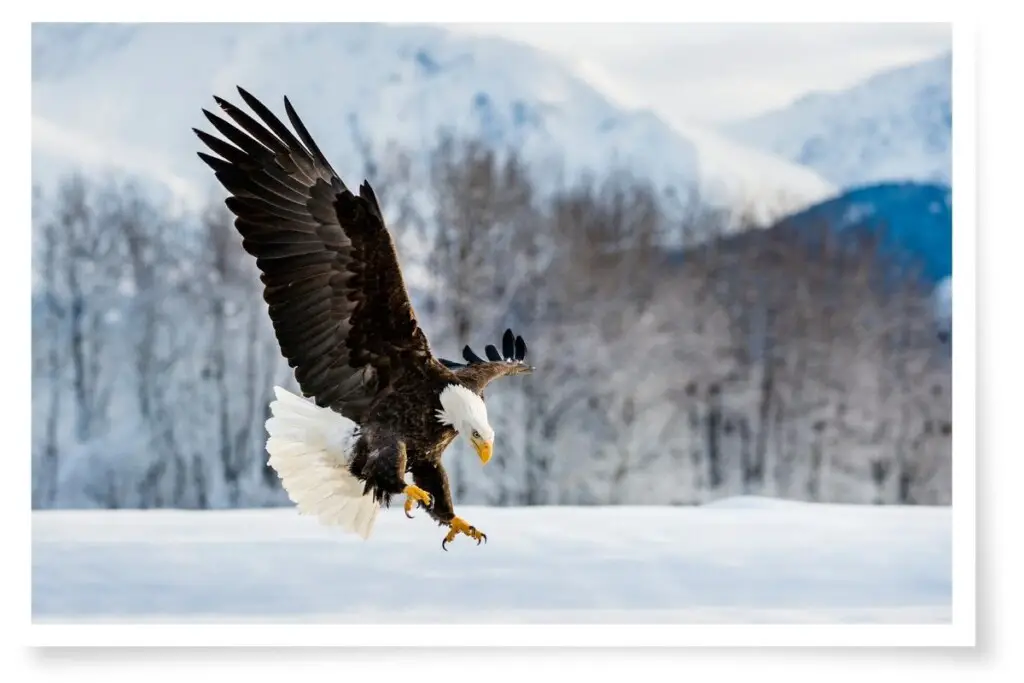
x=893 y=126
x=125 y=97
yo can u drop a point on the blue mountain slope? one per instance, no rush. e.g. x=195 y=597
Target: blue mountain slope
x=915 y=220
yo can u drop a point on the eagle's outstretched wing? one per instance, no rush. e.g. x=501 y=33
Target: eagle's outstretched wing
x=331 y=277
x=476 y=373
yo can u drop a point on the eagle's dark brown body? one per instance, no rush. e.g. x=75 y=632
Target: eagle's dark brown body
x=413 y=440
x=339 y=305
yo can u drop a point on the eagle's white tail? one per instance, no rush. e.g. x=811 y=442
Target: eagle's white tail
x=309 y=448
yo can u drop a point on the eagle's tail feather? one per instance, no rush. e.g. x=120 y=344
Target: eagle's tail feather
x=309 y=449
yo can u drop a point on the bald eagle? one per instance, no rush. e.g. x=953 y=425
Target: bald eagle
x=376 y=404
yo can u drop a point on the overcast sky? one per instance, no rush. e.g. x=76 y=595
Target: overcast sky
x=717 y=72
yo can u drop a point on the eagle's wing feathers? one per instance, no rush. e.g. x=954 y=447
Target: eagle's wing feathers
x=477 y=373
x=331 y=277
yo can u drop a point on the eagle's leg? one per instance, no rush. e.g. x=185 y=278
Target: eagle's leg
x=414 y=494
x=385 y=473
x=459 y=526
x=429 y=474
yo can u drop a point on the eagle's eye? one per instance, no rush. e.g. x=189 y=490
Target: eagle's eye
x=476 y=434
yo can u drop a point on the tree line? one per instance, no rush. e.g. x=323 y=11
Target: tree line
x=684 y=352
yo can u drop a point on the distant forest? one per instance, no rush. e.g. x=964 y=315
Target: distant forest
x=680 y=357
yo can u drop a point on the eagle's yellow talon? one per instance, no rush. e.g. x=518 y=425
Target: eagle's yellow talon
x=459 y=526
x=414 y=494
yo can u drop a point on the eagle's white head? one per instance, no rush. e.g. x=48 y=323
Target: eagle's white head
x=467 y=413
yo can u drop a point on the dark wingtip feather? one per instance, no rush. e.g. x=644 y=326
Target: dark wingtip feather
x=212 y=118
x=249 y=99
x=492 y=352
x=366 y=192
x=217 y=164
x=508 y=344
x=471 y=356
x=306 y=138
x=520 y=349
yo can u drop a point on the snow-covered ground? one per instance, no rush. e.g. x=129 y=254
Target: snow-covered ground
x=741 y=560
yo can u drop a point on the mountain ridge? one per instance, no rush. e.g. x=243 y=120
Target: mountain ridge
x=893 y=126
x=133 y=94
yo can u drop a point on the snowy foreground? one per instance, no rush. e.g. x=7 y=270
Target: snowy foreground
x=742 y=560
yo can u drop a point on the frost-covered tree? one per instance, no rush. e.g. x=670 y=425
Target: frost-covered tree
x=683 y=352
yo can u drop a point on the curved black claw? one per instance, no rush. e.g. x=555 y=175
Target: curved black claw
x=444 y=541
x=459 y=526
x=419 y=503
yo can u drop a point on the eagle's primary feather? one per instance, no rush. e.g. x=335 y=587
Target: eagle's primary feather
x=344 y=321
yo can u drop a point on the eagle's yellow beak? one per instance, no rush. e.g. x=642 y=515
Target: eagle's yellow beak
x=483 y=449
